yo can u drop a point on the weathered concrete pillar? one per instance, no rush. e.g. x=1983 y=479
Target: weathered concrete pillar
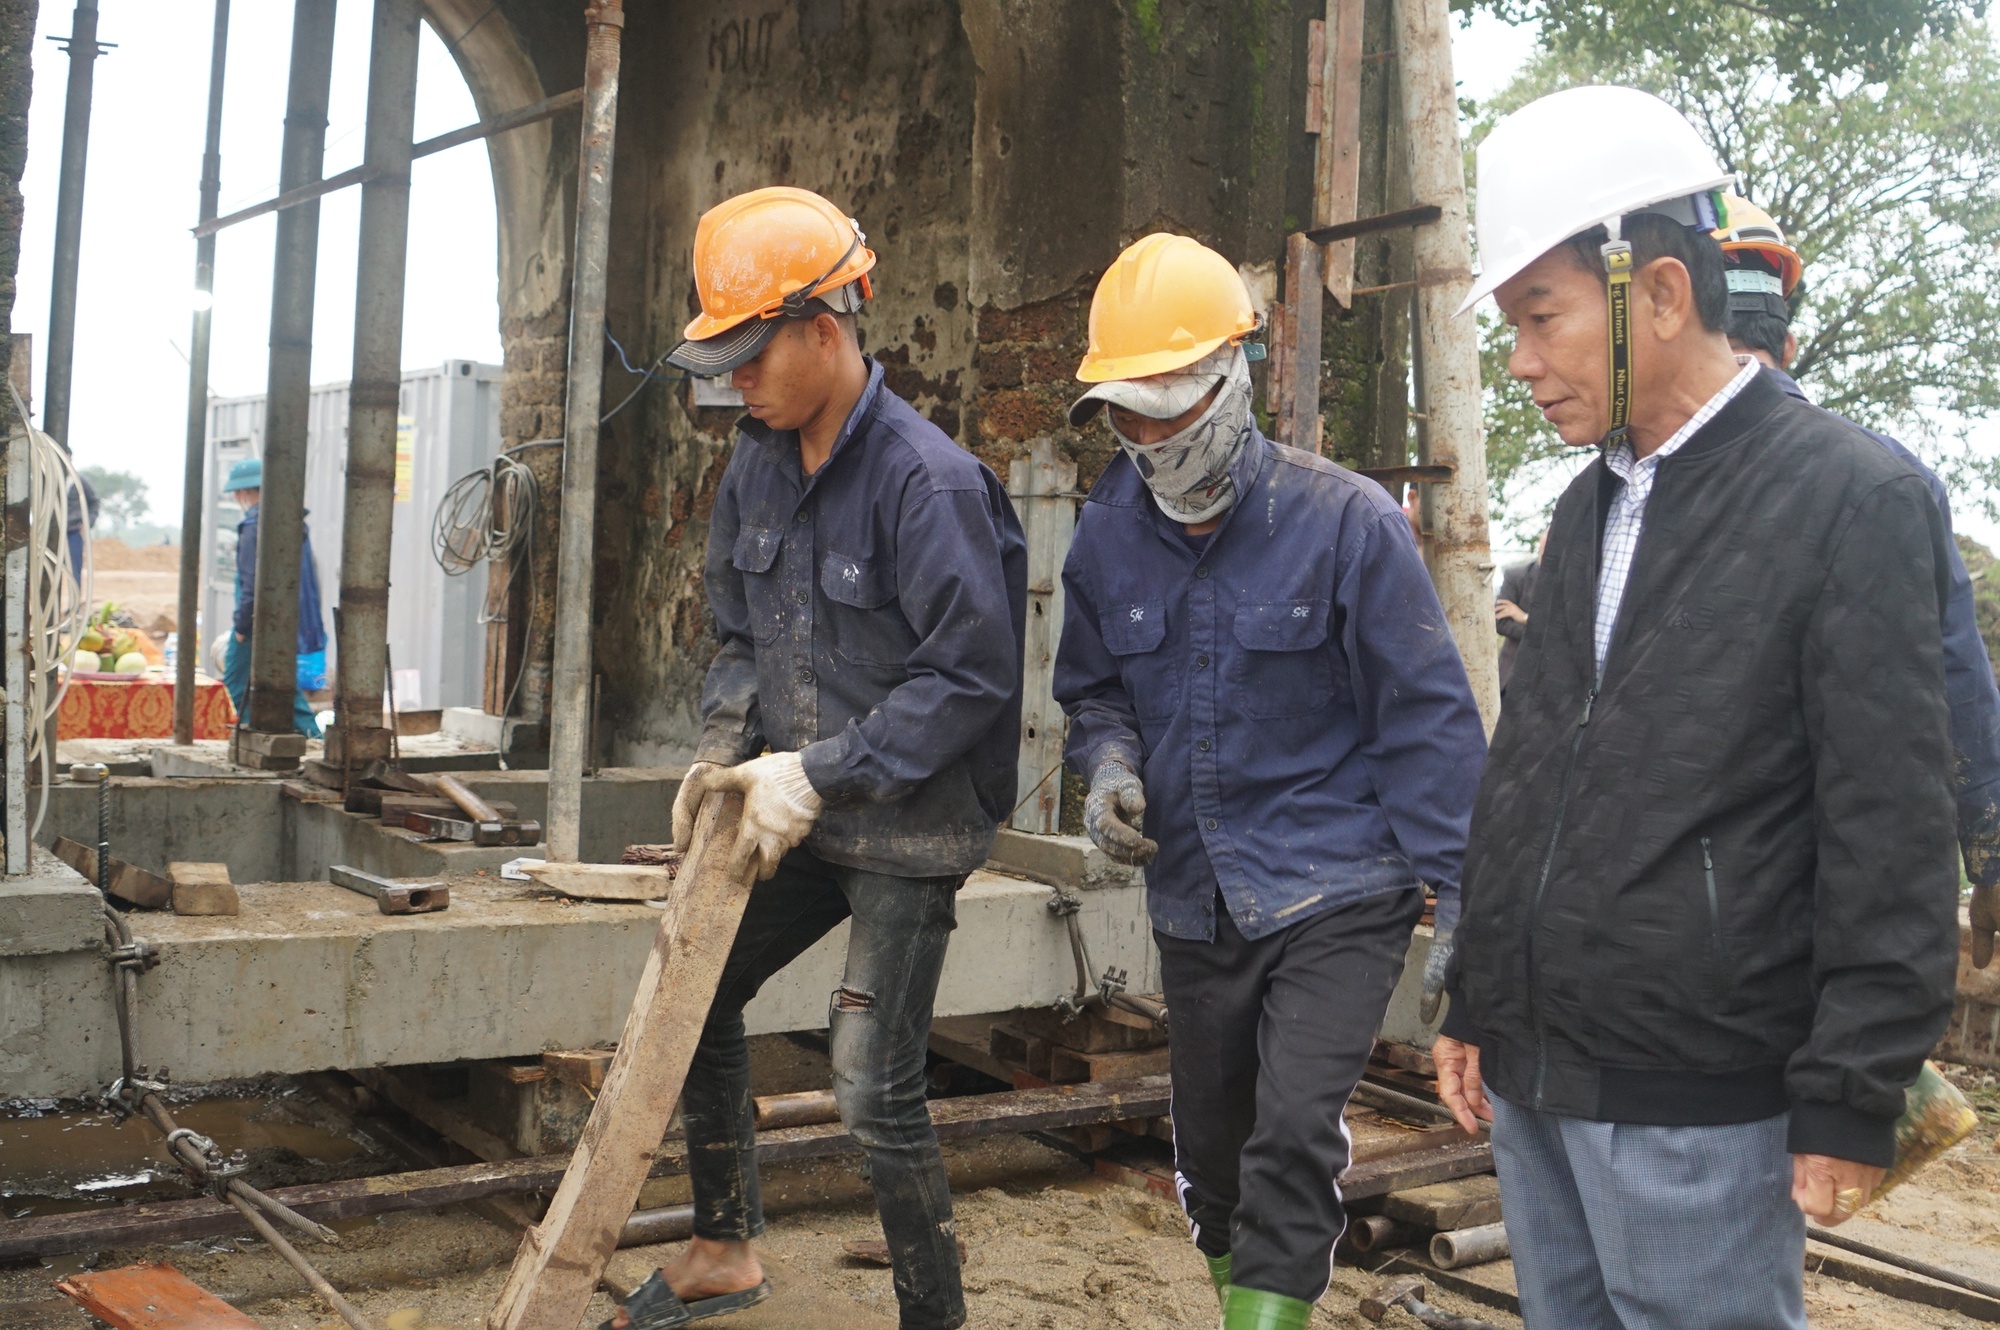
x=83 y=50
x=281 y=520
x=375 y=391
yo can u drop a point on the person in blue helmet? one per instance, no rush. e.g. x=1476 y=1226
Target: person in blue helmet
x=246 y=486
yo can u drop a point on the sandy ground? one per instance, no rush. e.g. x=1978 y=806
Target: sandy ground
x=144 y=580
x=1050 y=1245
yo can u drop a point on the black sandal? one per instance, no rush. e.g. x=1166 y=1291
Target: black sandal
x=655 y=1306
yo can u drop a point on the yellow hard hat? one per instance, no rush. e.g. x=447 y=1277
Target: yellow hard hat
x=1751 y=230
x=1166 y=302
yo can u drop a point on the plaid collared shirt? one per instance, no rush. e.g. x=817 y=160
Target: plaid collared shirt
x=1628 y=509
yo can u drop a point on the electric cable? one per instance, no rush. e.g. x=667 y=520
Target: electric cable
x=58 y=597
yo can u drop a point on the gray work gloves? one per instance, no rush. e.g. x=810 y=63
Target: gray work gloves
x=779 y=809
x=1441 y=966
x=1985 y=922
x=1111 y=814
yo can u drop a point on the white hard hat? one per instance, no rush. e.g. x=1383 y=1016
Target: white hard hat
x=1573 y=160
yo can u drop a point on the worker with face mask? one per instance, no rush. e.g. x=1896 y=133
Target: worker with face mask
x=1764 y=273
x=1264 y=696
x=1711 y=892
x=869 y=584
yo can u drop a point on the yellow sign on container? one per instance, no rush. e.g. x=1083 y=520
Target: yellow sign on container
x=406 y=446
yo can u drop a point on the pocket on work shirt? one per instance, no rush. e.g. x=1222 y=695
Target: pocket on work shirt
x=863 y=622
x=754 y=555
x=1282 y=667
x=1134 y=634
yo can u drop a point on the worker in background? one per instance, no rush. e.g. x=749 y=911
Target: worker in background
x=246 y=486
x=1711 y=892
x=1253 y=658
x=1510 y=608
x=81 y=518
x=1764 y=271
x=869 y=584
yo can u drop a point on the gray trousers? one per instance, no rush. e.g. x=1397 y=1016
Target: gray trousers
x=1269 y=1038
x=1617 y=1226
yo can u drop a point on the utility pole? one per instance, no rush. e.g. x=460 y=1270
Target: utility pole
x=266 y=737
x=1447 y=346
x=374 y=393
x=194 y=481
x=569 y=732
x=83 y=49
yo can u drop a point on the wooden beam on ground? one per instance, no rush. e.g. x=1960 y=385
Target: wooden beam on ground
x=562 y=1258
x=180 y=1221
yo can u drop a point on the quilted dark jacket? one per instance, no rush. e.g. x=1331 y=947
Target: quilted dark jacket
x=1721 y=882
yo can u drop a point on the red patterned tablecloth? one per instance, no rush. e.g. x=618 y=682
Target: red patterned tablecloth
x=140 y=709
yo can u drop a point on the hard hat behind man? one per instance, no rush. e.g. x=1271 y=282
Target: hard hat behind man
x=246 y=474
x=762 y=258
x=1763 y=271
x=1579 y=159
x=1752 y=232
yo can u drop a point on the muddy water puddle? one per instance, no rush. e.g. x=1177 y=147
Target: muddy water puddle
x=66 y=1156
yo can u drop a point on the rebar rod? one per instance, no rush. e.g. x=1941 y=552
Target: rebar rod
x=331 y=1295
x=1910 y=1263
x=196 y=1163
x=194 y=479
x=83 y=52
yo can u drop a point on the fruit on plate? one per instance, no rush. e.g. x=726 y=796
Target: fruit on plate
x=86 y=662
x=91 y=641
x=130 y=663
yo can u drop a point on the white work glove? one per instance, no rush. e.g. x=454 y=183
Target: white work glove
x=687 y=804
x=1112 y=811
x=779 y=808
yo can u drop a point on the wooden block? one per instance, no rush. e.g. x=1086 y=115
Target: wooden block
x=1090 y=1031
x=1014 y=1048
x=1405 y=1057
x=394 y=807
x=202 y=889
x=1444 y=1206
x=1067 y=1066
x=128 y=882
x=584 y=1068
x=152 y=1297
x=1144 y=1175
x=561 y=1258
x=604 y=882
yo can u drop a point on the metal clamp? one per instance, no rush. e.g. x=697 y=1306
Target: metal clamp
x=134 y=955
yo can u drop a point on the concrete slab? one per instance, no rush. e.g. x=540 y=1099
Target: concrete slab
x=49 y=908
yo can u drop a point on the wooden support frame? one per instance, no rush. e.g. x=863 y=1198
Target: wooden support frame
x=1337 y=170
x=1042 y=486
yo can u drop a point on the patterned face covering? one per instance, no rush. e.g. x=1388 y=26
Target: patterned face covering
x=1188 y=472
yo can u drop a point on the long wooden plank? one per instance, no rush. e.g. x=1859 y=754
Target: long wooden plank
x=561 y=1258
x=179 y=1221
x=1337 y=172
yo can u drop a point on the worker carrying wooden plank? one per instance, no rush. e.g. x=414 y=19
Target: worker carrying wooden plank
x=1254 y=659
x=1711 y=893
x=869 y=581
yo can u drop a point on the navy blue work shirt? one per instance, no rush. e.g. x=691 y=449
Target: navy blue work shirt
x=312 y=628
x=1289 y=694
x=1969 y=687
x=870 y=618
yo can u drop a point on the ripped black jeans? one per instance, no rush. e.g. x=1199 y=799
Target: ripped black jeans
x=881 y=1021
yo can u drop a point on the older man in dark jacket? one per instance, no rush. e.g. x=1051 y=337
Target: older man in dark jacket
x=1711 y=888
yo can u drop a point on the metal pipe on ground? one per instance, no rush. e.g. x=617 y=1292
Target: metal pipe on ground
x=193 y=475
x=375 y=391
x=1373 y=1233
x=575 y=563
x=807 y=1108
x=671 y=1223
x=281 y=516
x=83 y=49
x=1469 y=1246
x=1451 y=401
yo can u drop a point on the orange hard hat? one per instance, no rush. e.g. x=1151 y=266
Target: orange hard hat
x=1749 y=230
x=761 y=258
x=1163 y=304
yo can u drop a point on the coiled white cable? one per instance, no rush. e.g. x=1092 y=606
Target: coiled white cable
x=58 y=607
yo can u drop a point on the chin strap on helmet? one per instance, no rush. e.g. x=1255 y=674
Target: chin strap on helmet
x=1617 y=252
x=797 y=305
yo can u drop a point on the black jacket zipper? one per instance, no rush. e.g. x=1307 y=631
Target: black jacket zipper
x=1720 y=948
x=1541 y=890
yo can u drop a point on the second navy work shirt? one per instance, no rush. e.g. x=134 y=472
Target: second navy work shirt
x=1290 y=694
x=870 y=618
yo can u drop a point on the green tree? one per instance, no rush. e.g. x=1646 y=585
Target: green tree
x=121 y=497
x=1890 y=190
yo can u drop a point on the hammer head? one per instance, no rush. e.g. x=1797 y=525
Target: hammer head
x=404 y=899
x=506 y=833
x=1391 y=1292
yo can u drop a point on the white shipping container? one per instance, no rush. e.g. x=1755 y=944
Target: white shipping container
x=450 y=425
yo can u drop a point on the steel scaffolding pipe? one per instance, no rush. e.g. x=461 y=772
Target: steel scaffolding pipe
x=83 y=49
x=193 y=477
x=375 y=390
x=569 y=732
x=281 y=520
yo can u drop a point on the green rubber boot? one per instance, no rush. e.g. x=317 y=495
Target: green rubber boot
x=1218 y=1274
x=1254 y=1309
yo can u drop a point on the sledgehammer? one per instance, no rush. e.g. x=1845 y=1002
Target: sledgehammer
x=488 y=827
x=1407 y=1292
